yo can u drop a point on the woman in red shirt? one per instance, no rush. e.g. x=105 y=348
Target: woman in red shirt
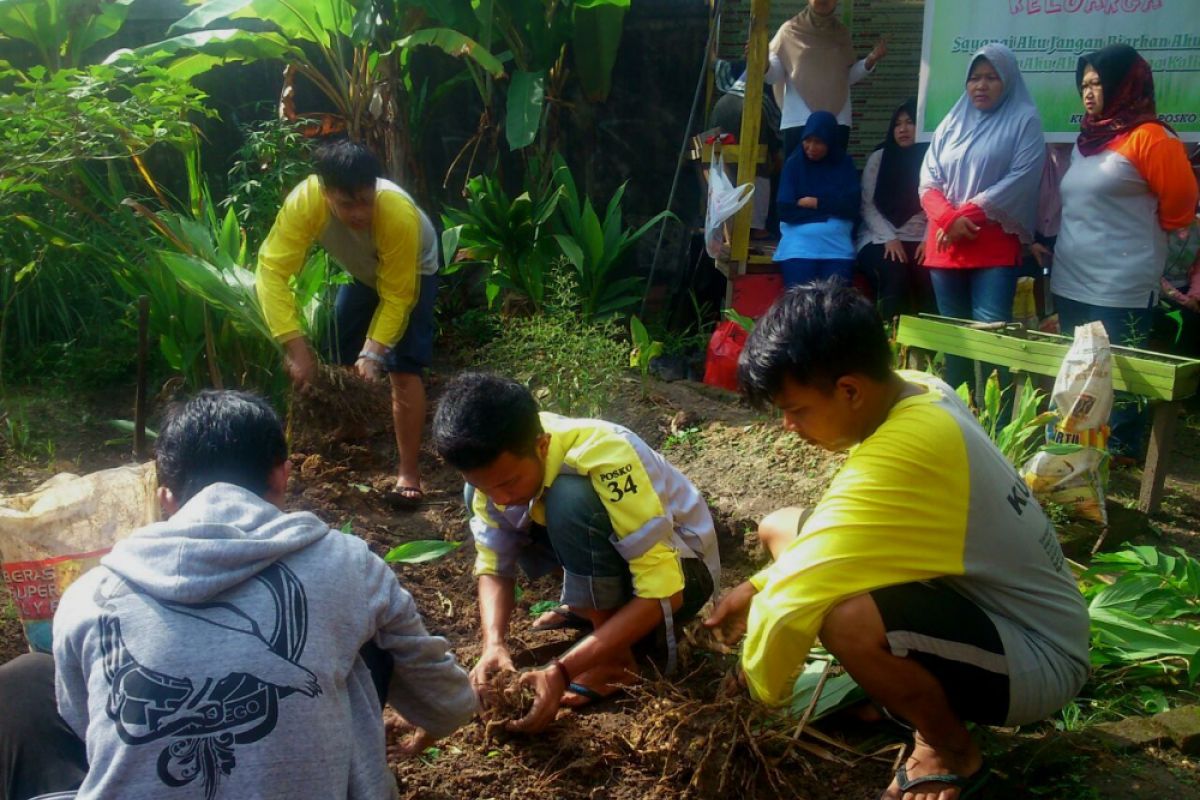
x=979 y=188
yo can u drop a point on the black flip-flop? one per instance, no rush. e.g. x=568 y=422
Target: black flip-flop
x=968 y=785
x=406 y=498
x=567 y=619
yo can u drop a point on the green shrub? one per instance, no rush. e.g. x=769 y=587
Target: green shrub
x=571 y=365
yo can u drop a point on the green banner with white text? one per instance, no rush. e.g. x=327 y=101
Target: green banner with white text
x=1048 y=37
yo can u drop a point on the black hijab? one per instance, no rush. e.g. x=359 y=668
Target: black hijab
x=899 y=172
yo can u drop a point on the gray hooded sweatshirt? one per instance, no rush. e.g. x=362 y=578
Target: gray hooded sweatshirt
x=215 y=655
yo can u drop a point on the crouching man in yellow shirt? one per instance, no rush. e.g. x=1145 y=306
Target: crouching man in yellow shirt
x=927 y=568
x=384 y=318
x=631 y=536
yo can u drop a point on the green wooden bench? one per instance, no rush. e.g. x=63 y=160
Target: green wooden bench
x=1164 y=380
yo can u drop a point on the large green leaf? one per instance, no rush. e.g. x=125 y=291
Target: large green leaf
x=839 y=691
x=420 y=551
x=456 y=44
x=191 y=54
x=311 y=20
x=598 y=26
x=526 y=98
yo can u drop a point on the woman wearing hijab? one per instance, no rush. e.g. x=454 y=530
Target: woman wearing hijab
x=891 y=240
x=1129 y=183
x=818 y=203
x=979 y=186
x=812 y=67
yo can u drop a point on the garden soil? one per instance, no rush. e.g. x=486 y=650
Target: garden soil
x=693 y=736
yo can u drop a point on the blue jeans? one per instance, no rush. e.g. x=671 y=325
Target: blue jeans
x=983 y=294
x=1125 y=326
x=578 y=536
x=353 y=311
x=806 y=270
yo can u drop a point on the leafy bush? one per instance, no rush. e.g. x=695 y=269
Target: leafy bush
x=569 y=363
x=273 y=158
x=511 y=236
x=598 y=248
x=1145 y=610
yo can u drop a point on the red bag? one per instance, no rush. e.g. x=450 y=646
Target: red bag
x=720 y=365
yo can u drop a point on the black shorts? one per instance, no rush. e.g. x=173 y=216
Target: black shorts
x=955 y=640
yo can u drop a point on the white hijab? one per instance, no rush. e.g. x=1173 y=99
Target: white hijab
x=991 y=158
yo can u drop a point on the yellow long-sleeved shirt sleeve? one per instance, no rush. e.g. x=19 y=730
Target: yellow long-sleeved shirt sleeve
x=300 y=223
x=297 y=225
x=895 y=513
x=398 y=239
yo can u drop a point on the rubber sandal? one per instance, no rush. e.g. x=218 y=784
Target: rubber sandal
x=406 y=498
x=968 y=785
x=565 y=618
x=591 y=694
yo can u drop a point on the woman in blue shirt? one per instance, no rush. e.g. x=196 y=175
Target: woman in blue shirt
x=818 y=202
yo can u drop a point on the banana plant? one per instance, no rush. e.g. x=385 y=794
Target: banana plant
x=348 y=50
x=61 y=31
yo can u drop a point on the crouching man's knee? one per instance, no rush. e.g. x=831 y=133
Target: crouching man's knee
x=852 y=627
x=780 y=528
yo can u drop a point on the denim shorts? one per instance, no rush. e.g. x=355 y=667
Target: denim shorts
x=353 y=311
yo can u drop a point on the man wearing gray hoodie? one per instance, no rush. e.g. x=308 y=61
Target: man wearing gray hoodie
x=224 y=652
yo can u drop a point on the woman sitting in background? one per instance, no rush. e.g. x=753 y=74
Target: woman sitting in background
x=1129 y=183
x=979 y=186
x=818 y=203
x=891 y=240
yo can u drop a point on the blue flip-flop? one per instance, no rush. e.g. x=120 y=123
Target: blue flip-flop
x=591 y=694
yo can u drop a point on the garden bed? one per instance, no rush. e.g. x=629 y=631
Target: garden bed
x=683 y=738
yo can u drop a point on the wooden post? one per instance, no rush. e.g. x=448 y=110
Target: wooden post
x=756 y=68
x=139 y=402
x=1155 y=472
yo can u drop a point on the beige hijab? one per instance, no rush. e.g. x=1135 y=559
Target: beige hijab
x=817 y=55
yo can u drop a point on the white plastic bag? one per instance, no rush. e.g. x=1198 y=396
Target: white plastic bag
x=1083 y=390
x=60 y=530
x=1072 y=470
x=724 y=200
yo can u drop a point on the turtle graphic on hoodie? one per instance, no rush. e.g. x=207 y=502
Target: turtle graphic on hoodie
x=227 y=694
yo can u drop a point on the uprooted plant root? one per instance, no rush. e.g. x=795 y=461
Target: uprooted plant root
x=338 y=398
x=510 y=700
x=707 y=748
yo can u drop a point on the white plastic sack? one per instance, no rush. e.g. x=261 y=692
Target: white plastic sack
x=1083 y=390
x=724 y=200
x=1073 y=469
x=60 y=530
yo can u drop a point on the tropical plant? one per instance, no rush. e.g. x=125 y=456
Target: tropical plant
x=274 y=157
x=353 y=53
x=645 y=349
x=596 y=248
x=510 y=236
x=60 y=31
x=1020 y=437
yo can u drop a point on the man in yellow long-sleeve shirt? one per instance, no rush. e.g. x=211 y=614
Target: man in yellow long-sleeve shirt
x=927 y=568
x=384 y=318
